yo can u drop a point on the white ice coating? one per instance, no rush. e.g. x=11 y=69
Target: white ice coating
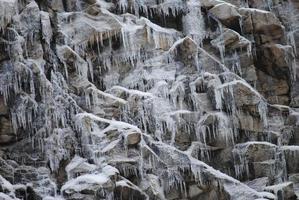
x=23 y=115
x=165 y=8
x=290 y=152
x=144 y=90
x=8 y=9
x=88 y=180
x=221 y=127
x=54 y=147
x=6 y=186
x=278 y=187
x=193 y=22
x=5 y=196
x=241 y=154
x=226 y=90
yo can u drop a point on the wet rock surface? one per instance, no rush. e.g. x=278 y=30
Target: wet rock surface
x=127 y=99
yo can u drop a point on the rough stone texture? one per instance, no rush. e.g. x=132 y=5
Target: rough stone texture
x=226 y=13
x=149 y=99
x=261 y=22
x=283 y=191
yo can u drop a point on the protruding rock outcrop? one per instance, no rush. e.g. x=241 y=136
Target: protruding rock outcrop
x=127 y=99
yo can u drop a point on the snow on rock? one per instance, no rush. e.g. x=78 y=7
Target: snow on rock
x=283 y=190
x=79 y=165
x=145 y=99
x=259 y=155
x=5 y=196
x=90 y=184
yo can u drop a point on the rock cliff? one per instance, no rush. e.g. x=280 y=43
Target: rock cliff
x=149 y=99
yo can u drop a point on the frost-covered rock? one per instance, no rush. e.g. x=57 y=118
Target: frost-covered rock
x=291 y=153
x=283 y=190
x=87 y=187
x=132 y=99
x=186 y=51
x=251 y=158
x=8 y=10
x=226 y=13
x=231 y=40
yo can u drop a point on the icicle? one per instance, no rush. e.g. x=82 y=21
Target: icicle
x=177 y=94
x=221 y=128
x=196 y=171
x=172 y=179
x=221 y=43
x=269 y=4
x=263 y=110
x=236 y=63
x=218 y=98
x=8 y=9
x=193 y=23
x=239 y=155
x=23 y=112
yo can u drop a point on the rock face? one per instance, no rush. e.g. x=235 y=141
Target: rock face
x=127 y=99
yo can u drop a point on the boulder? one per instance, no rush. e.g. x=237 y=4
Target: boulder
x=230 y=40
x=253 y=159
x=292 y=158
x=79 y=166
x=88 y=186
x=258 y=184
x=72 y=61
x=276 y=60
x=238 y=91
x=133 y=138
x=127 y=167
x=185 y=51
x=94 y=9
x=249 y=123
x=294 y=178
x=96 y=28
x=283 y=190
x=249 y=73
x=261 y=22
x=194 y=191
x=256 y=151
x=274 y=89
x=226 y=13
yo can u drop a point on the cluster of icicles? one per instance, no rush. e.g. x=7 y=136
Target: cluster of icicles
x=59 y=111
x=60 y=108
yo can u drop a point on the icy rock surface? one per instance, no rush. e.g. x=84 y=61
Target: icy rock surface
x=146 y=99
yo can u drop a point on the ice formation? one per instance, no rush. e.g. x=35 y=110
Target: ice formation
x=146 y=99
